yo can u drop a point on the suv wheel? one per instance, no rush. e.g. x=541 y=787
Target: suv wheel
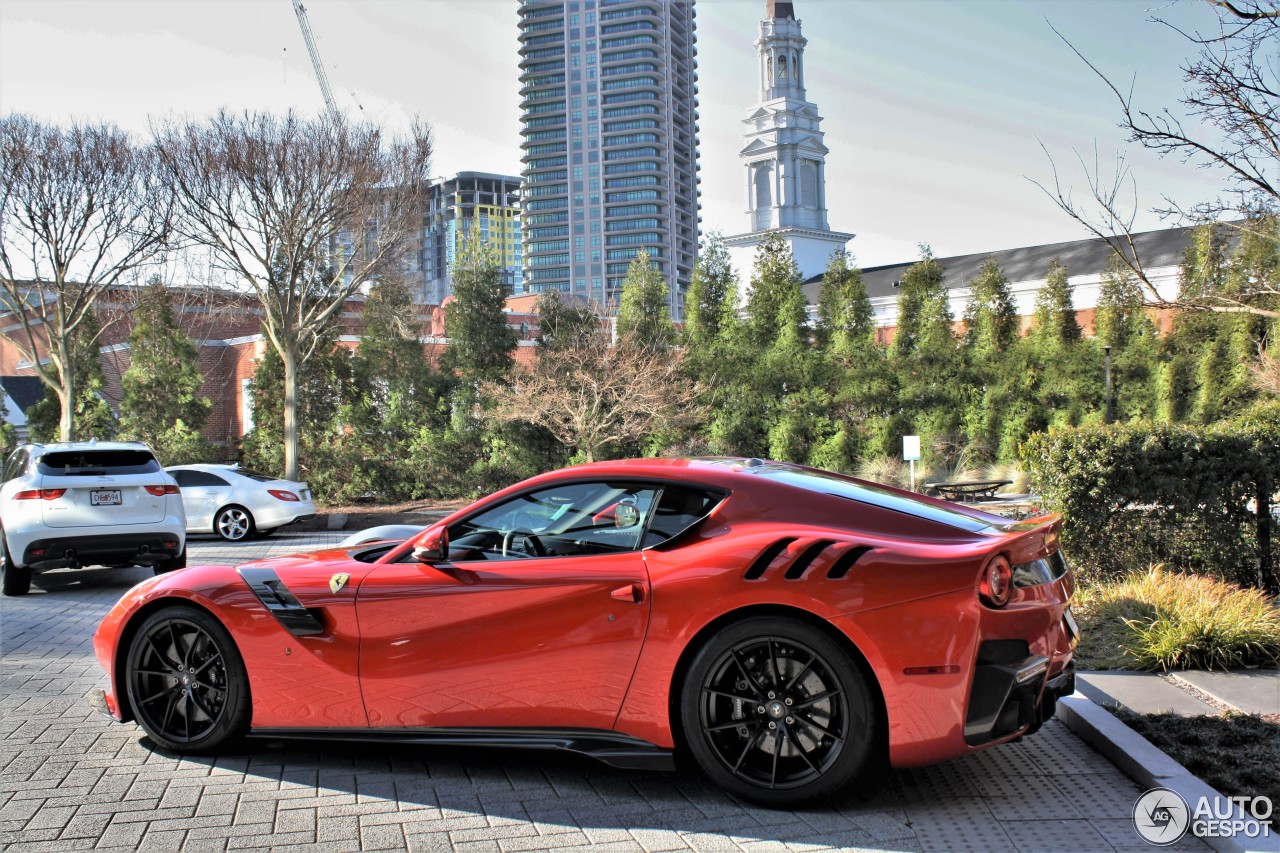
x=233 y=523
x=172 y=564
x=16 y=579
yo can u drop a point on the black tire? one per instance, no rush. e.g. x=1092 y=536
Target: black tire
x=233 y=523
x=778 y=713
x=186 y=680
x=172 y=564
x=14 y=580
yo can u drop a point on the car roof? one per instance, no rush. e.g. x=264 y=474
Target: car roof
x=61 y=446
x=732 y=472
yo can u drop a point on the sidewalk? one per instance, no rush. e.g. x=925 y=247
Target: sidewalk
x=1189 y=692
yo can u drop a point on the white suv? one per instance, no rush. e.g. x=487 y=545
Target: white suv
x=88 y=503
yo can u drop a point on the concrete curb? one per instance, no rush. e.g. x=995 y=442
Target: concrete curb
x=1138 y=759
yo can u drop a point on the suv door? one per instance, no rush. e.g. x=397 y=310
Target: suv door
x=101 y=487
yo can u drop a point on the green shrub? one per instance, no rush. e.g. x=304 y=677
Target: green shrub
x=1136 y=494
x=1160 y=620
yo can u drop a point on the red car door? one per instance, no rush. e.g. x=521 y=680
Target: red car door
x=545 y=642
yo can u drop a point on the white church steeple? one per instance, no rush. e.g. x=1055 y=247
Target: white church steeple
x=784 y=154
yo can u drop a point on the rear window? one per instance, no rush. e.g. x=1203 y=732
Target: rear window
x=868 y=493
x=88 y=463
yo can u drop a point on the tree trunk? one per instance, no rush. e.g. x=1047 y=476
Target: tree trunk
x=290 y=358
x=1266 y=570
x=67 y=393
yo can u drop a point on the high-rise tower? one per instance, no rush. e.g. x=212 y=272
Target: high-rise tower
x=610 y=137
x=784 y=155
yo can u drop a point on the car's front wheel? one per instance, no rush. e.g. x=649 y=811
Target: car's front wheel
x=187 y=683
x=14 y=580
x=233 y=523
x=778 y=713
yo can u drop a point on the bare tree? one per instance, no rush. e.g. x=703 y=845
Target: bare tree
x=81 y=210
x=593 y=396
x=302 y=212
x=1231 y=124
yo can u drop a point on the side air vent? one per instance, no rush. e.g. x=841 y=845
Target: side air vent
x=282 y=604
x=845 y=562
x=797 y=569
x=767 y=556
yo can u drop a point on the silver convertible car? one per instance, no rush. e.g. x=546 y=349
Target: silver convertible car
x=236 y=503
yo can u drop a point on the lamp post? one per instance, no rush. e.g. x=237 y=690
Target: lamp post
x=1106 y=411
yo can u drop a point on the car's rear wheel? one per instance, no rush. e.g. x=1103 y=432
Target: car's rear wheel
x=233 y=523
x=778 y=713
x=14 y=580
x=187 y=683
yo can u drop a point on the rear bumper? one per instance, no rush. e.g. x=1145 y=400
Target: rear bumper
x=1013 y=697
x=283 y=514
x=137 y=548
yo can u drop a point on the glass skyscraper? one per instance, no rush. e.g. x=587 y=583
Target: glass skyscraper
x=610 y=140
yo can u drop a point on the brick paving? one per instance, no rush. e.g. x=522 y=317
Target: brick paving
x=73 y=780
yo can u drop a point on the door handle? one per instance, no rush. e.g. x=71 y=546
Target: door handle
x=632 y=592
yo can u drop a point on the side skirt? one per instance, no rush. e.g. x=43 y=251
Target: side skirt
x=610 y=748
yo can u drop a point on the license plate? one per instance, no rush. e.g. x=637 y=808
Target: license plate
x=105 y=497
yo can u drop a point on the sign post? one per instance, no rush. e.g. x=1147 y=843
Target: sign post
x=910 y=453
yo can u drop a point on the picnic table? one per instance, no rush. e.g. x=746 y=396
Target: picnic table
x=966 y=491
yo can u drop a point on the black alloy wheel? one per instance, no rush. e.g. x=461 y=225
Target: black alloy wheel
x=14 y=580
x=777 y=712
x=187 y=683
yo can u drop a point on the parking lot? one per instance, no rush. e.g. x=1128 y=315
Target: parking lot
x=70 y=779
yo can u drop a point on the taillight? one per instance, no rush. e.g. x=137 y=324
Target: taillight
x=40 y=495
x=281 y=494
x=996 y=583
x=161 y=491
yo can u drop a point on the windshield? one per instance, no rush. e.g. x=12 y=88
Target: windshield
x=87 y=463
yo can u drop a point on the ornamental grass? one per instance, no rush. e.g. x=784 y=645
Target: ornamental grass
x=1162 y=620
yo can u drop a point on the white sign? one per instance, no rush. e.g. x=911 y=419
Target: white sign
x=910 y=448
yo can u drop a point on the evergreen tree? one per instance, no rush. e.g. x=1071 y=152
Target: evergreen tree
x=927 y=357
x=480 y=341
x=991 y=329
x=644 y=315
x=771 y=305
x=854 y=370
x=564 y=322
x=396 y=393
x=711 y=304
x=1059 y=381
x=161 y=402
x=91 y=416
x=770 y=360
x=1123 y=324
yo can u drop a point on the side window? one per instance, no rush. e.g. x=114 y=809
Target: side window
x=194 y=479
x=182 y=478
x=678 y=510
x=569 y=519
x=15 y=464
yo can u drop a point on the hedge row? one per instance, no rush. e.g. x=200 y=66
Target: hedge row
x=1137 y=494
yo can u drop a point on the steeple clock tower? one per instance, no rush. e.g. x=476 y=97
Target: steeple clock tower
x=784 y=155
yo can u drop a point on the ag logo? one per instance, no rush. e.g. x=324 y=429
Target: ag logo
x=338 y=581
x=1161 y=816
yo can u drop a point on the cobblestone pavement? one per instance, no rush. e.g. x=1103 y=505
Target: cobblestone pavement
x=70 y=779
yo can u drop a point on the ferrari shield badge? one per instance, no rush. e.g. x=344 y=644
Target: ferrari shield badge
x=338 y=581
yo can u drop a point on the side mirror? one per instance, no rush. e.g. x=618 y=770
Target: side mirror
x=433 y=547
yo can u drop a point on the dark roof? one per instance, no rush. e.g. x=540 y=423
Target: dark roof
x=26 y=391
x=1161 y=248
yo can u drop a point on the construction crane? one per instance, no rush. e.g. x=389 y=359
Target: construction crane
x=321 y=77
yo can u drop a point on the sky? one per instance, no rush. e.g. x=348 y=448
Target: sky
x=939 y=114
